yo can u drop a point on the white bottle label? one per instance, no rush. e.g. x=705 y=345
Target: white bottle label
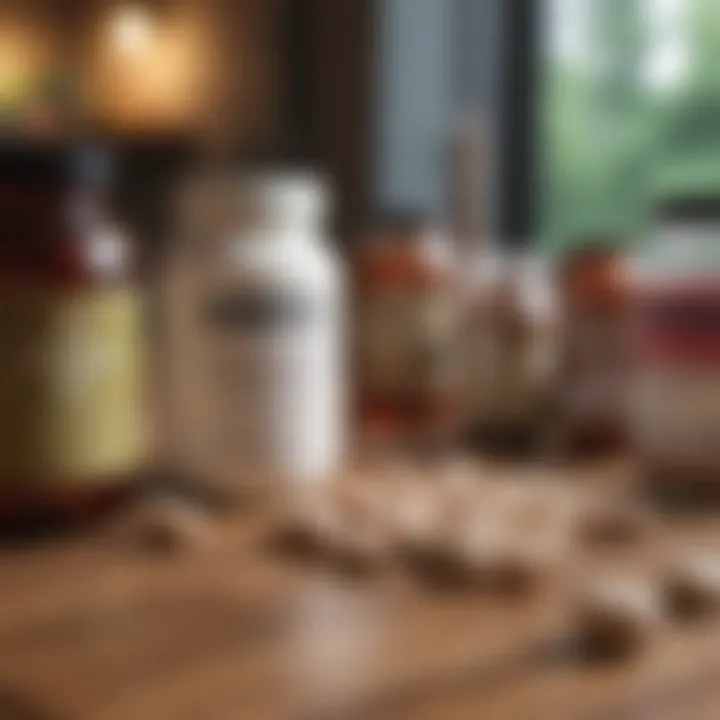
x=273 y=366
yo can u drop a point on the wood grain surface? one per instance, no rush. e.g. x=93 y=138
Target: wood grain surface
x=92 y=629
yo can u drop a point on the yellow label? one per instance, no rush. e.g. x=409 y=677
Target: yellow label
x=71 y=386
x=405 y=341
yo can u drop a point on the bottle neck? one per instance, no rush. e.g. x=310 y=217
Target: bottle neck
x=284 y=228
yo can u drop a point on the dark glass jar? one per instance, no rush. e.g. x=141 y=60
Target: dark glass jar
x=405 y=304
x=596 y=301
x=72 y=433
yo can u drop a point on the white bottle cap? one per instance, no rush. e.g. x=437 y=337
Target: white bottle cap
x=218 y=204
x=286 y=198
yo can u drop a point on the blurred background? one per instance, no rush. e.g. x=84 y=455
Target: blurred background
x=491 y=167
x=629 y=100
x=588 y=109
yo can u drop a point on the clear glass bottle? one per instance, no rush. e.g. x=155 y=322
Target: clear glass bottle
x=254 y=333
x=73 y=425
x=405 y=306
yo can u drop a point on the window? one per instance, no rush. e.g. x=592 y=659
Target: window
x=629 y=111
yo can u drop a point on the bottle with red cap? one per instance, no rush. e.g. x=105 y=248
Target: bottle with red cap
x=596 y=299
x=405 y=305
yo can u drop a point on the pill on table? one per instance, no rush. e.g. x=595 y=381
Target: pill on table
x=338 y=525
x=616 y=617
x=692 y=586
x=613 y=522
x=166 y=524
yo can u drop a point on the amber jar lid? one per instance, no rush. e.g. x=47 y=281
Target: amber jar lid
x=403 y=248
x=594 y=274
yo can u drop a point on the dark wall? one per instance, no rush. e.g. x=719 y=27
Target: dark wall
x=413 y=104
x=440 y=62
x=328 y=55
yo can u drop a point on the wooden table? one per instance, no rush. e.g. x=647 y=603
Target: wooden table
x=90 y=630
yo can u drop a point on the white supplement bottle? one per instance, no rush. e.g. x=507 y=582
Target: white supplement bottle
x=255 y=319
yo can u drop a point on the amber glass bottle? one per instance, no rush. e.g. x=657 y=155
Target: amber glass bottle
x=596 y=298
x=404 y=305
x=72 y=433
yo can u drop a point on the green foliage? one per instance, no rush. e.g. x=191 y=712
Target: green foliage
x=610 y=145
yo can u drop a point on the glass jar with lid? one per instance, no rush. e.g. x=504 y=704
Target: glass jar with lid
x=72 y=411
x=677 y=402
x=511 y=353
x=405 y=293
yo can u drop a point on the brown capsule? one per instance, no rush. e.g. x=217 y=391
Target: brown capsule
x=338 y=526
x=614 y=523
x=360 y=542
x=436 y=560
x=424 y=543
x=616 y=618
x=310 y=516
x=460 y=472
x=431 y=522
x=692 y=587
x=168 y=524
x=358 y=552
x=297 y=538
x=415 y=514
x=517 y=563
x=538 y=509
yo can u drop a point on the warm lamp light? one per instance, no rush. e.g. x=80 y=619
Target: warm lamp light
x=131 y=29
